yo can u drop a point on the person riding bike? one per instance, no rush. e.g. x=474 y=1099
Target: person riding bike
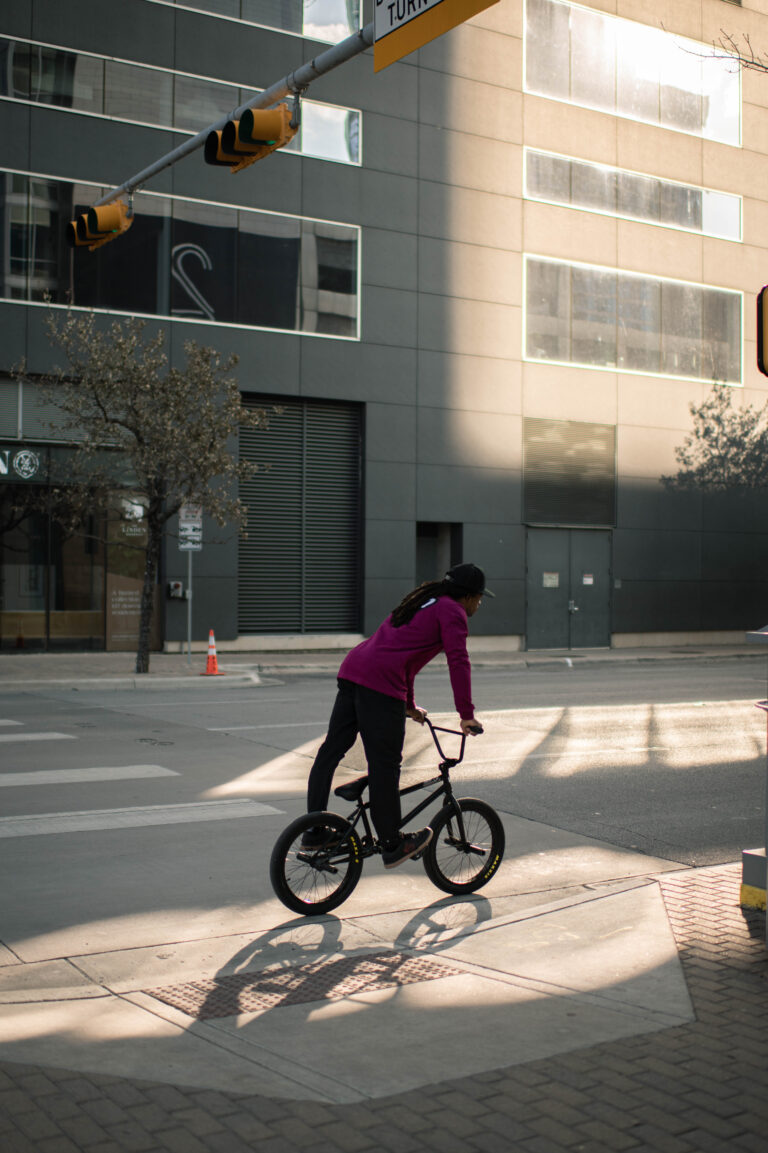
x=375 y=695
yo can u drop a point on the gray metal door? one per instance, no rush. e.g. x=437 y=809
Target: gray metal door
x=568 y=589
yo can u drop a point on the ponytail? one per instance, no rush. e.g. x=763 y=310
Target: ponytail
x=429 y=590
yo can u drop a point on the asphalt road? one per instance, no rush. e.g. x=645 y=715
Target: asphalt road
x=666 y=758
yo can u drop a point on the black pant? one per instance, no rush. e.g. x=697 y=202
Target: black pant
x=380 y=721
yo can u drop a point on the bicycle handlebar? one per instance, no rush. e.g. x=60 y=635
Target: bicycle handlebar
x=434 y=729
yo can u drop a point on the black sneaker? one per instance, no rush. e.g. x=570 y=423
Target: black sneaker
x=410 y=845
x=318 y=838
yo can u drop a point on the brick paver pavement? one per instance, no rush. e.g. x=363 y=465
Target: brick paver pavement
x=695 y=1088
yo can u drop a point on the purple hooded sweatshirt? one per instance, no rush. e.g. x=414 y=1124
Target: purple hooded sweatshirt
x=389 y=660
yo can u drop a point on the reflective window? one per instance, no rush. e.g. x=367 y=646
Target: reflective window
x=578 y=184
x=630 y=69
x=163 y=99
x=183 y=259
x=601 y=318
x=330 y=20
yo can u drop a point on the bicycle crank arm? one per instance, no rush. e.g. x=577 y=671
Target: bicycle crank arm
x=455 y=843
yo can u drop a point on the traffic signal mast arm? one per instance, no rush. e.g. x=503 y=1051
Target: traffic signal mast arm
x=291 y=85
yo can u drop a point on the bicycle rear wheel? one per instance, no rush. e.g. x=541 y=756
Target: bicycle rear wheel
x=461 y=857
x=314 y=880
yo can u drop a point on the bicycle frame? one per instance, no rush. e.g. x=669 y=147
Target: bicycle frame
x=445 y=789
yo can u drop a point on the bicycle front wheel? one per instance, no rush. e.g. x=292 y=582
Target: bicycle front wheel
x=316 y=863
x=464 y=853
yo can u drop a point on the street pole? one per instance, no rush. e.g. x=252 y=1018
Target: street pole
x=189 y=608
x=294 y=83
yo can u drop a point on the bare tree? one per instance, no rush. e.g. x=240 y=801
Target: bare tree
x=739 y=50
x=727 y=449
x=145 y=438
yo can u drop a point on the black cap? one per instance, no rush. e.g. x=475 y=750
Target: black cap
x=468 y=579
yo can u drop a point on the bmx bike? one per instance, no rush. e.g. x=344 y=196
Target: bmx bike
x=318 y=859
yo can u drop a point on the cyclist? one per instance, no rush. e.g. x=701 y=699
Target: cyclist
x=375 y=695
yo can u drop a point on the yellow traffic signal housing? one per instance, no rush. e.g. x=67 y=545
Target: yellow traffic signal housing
x=258 y=132
x=762 y=330
x=99 y=225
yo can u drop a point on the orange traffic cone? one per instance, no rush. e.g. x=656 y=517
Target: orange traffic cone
x=212 y=665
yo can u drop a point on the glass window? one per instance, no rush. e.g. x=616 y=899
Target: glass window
x=131 y=92
x=330 y=20
x=632 y=195
x=198 y=103
x=639 y=327
x=638 y=196
x=593 y=59
x=548 y=313
x=330 y=133
x=631 y=69
x=633 y=323
x=184 y=259
x=593 y=308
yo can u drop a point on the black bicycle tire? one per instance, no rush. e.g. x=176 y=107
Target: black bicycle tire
x=292 y=876
x=435 y=856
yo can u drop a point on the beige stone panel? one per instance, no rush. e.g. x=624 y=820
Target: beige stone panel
x=568 y=234
x=460 y=105
x=506 y=17
x=738 y=266
x=683 y=17
x=659 y=251
x=665 y=402
x=470 y=270
x=648 y=452
x=479 y=383
x=754 y=129
x=469 y=216
x=463 y=160
x=471 y=327
x=473 y=383
x=475 y=53
x=754 y=90
x=755 y=222
x=557 y=127
x=563 y=392
x=740 y=170
x=646 y=148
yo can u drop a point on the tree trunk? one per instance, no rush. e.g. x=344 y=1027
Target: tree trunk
x=154 y=541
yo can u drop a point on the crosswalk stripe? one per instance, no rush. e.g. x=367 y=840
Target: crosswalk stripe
x=84 y=776
x=37 y=737
x=132 y=818
x=2 y=722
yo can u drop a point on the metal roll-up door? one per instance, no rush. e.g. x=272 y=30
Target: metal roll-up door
x=299 y=565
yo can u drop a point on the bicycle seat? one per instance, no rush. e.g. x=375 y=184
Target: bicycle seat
x=352 y=790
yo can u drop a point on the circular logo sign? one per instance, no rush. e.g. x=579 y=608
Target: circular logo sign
x=26 y=463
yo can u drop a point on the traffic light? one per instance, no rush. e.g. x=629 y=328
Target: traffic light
x=762 y=330
x=258 y=132
x=99 y=225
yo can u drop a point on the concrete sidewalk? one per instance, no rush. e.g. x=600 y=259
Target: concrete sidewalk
x=23 y=669
x=625 y=1016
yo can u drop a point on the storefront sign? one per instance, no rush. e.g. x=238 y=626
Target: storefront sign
x=18 y=464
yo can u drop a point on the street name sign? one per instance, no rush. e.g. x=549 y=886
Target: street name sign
x=402 y=26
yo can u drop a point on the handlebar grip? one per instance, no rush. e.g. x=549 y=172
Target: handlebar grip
x=476 y=727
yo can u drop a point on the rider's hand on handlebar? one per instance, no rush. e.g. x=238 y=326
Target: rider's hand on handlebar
x=471 y=727
x=417 y=714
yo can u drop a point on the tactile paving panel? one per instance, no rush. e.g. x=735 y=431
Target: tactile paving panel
x=330 y=980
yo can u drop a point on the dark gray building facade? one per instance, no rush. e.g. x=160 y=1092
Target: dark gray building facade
x=480 y=303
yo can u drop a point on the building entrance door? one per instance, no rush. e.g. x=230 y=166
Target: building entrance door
x=568 y=589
